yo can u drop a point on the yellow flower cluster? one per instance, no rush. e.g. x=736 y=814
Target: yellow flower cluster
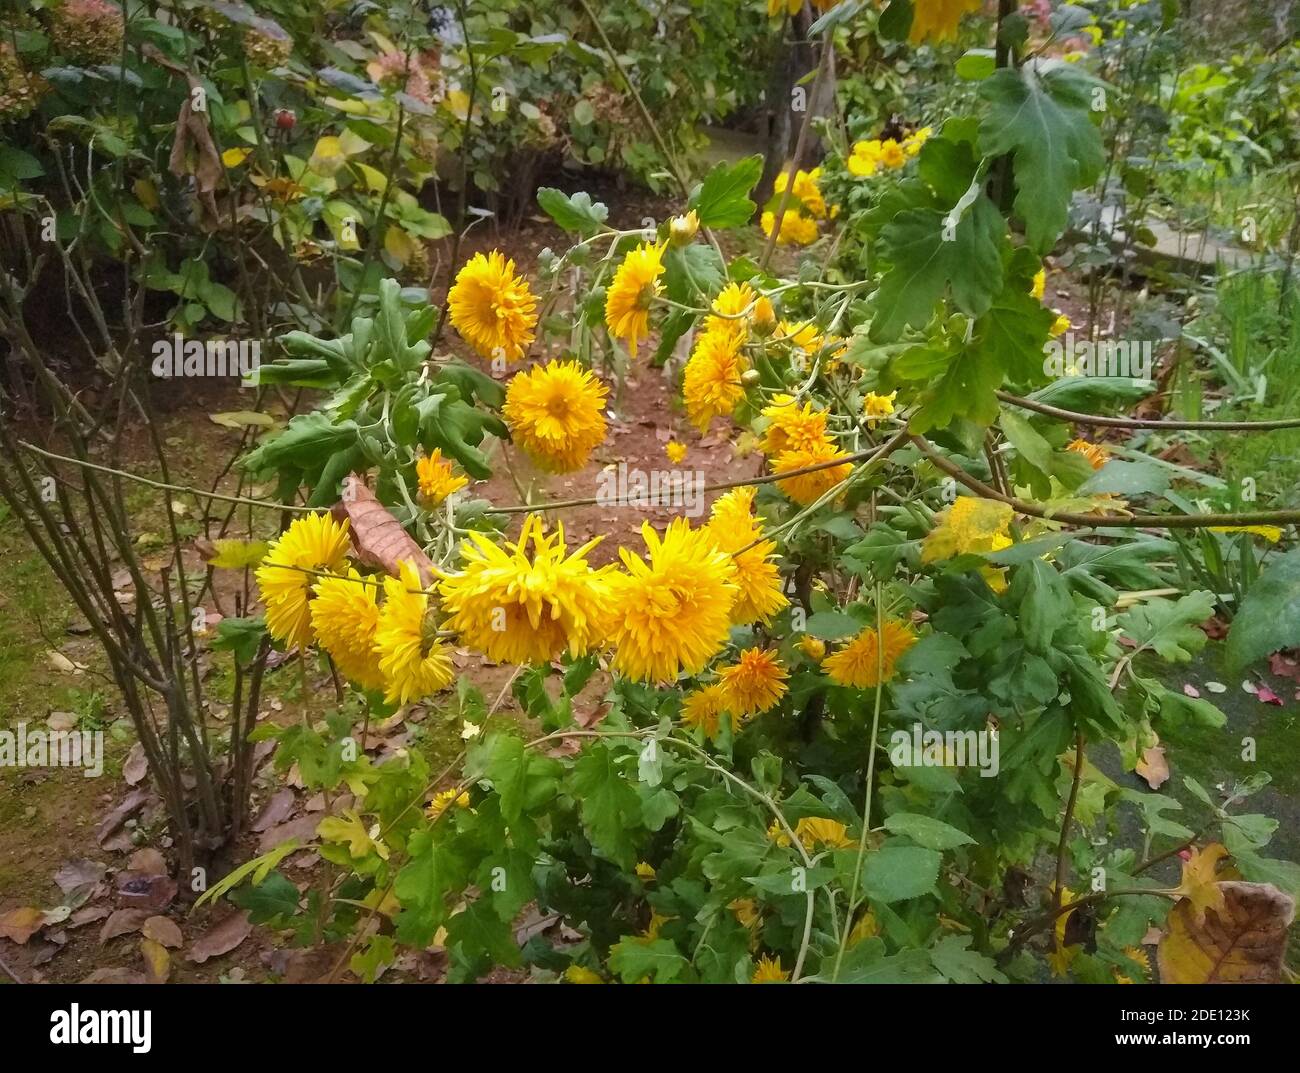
x=796 y=438
x=711 y=381
x=532 y=601
x=804 y=208
x=873 y=155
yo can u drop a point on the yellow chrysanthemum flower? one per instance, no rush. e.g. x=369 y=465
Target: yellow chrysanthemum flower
x=858 y=663
x=635 y=285
x=805 y=190
x=796 y=228
x=673 y=613
x=812 y=647
x=682 y=229
x=913 y=143
x=791 y=427
x=413 y=661
x=745 y=911
x=726 y=319
x=754 y=684
x=892 y=155
x=556 y=413
x=520 y=608
x=445 y=799
x=809 y=487
x=580 y=974
x=937 y=20
x=733 y=527
x=1271 y=533
x=763 y=319
x=711 y=384
x=644 y=871
x=1060 y=326
x=492 y=307
x=1095 y=453
x=344 y=615
x=878 y=406
x=702 y=709
x=1040 y=284
x=436 y=477
x=315 y=542
x=818 y=832
x=675 y=451
x=769 y=971
x=865 y=161
x=804 y=334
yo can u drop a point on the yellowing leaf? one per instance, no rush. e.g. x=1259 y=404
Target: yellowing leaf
x=457 y=103
x=399 y=245
x=1200 y=884
x=328 y=156
x=376 y=181
x=1243 y=941
x=147 y=194
x=238 y=554
x=349 y=828
x=232 y=158
x=157 y=962
x=242 y=419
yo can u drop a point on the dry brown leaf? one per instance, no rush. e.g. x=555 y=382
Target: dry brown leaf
x=1154 y=767
x=163 y=930
x=122 y=922
x=19 y=925
x=136 y=765
x=221 y=939
x=377 y=536
x=147 y=861
x=157 y=962
x=1243 y=941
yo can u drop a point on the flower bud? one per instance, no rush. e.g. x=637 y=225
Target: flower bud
x=682 y=229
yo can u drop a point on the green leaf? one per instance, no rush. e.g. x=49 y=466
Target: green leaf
x=977 y=64
x=926 y=831
x=576 y=213
x=1041 y=113
x=967 y=389
x=722 y=200
x=896 y=21
x=866 y=962
x=608 y=803
x=1269 y=616
x=895 y=873
x=960 y=965
x=274 y=897
x=242 y=636
x=479 y=932
x=635 y=959
x=1126 y=479
x=924 y=265
x=1170 y=629
x=831 y=625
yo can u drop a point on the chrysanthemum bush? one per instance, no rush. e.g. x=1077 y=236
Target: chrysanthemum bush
x=923 y=560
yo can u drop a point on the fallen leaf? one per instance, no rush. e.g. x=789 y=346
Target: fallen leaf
x=77 y=874
x=146 y=891
x=377 y=536
x=60 y=662
x=19 y=925
x=88 y=915
x=136 y=765
x=1190 y=690
x=61 y=720
x=112 y=822
x=147 y=861
x=1243 y=941
x=222 y=938
x=122 y=922
x=116 y=976
x=275 y=811
x=157 y=962
x=1154 y=767
x=163 y=930
x=1267 y=696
